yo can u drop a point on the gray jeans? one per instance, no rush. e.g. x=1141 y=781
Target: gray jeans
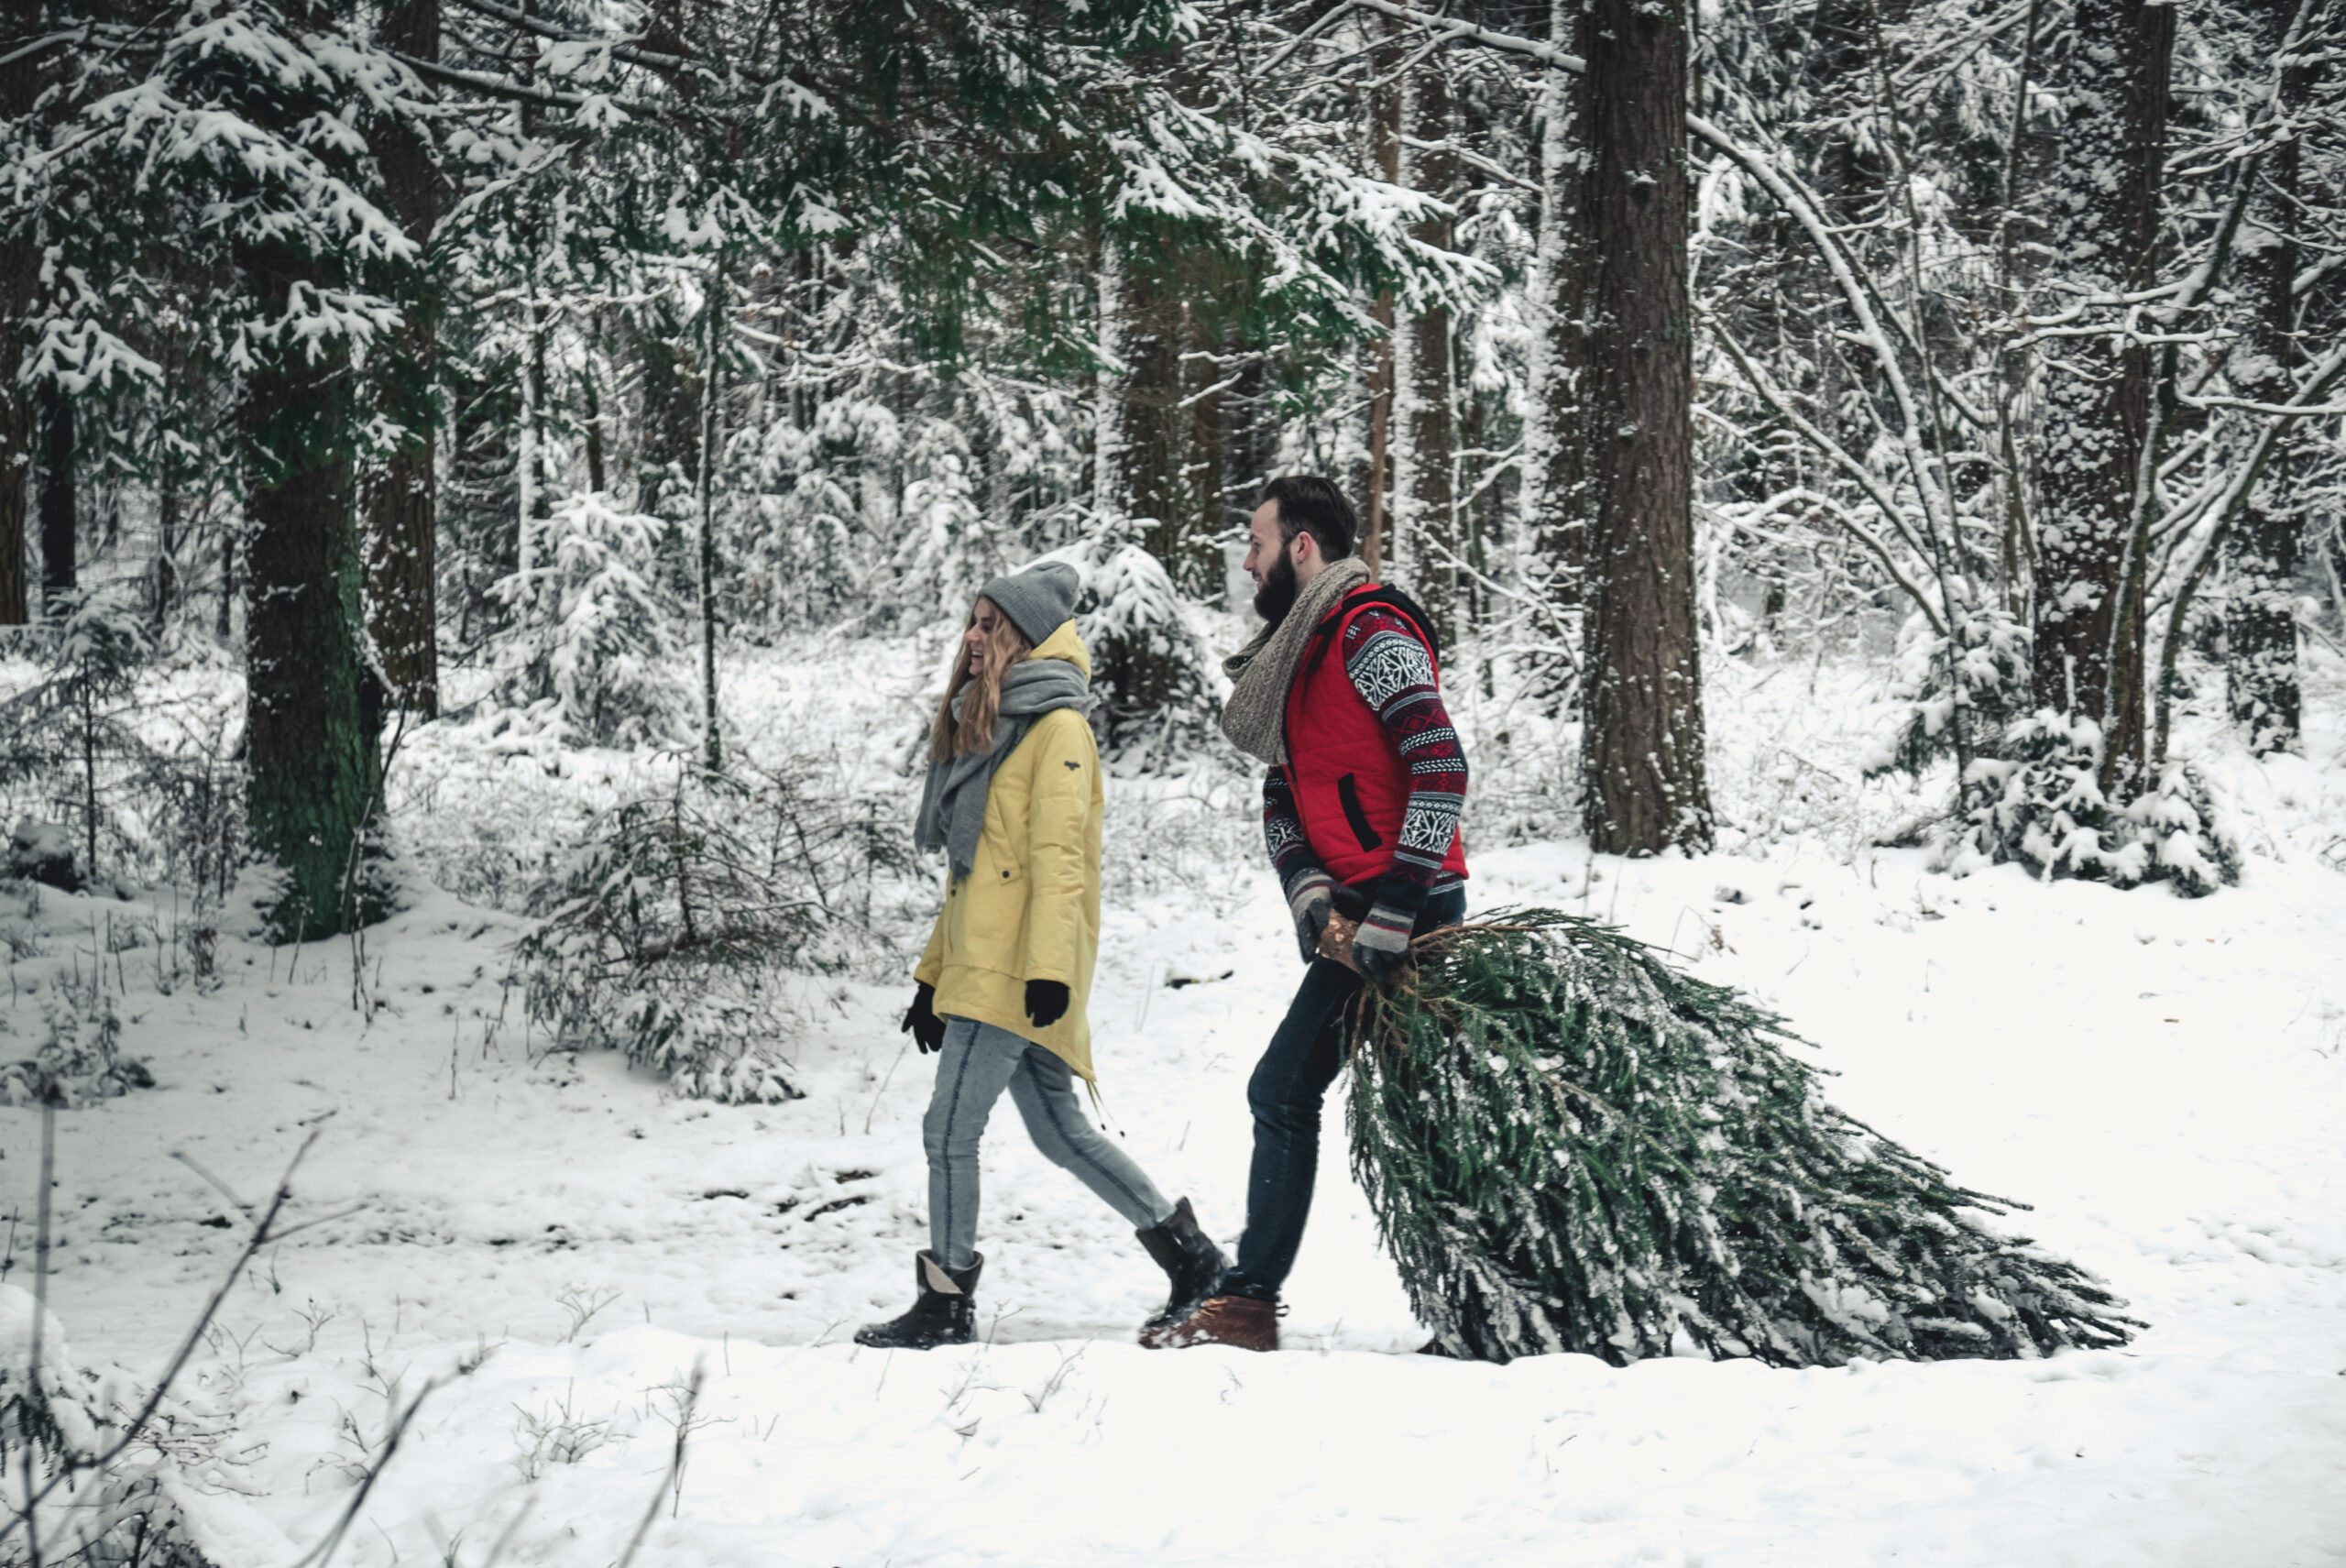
x=978 y=1062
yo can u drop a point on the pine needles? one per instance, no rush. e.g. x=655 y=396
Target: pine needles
x=1571 y=1145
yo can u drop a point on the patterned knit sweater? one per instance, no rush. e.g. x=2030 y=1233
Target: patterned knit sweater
x=1392 y=669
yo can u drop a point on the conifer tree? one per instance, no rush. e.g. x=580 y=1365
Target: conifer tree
x=19 y=268
x=1642 y=757
x=1572 y=1145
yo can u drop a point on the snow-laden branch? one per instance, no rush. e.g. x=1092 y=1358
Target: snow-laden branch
x=627 y=49
x=1848 y=279
x=1864 y=477
x=2227 y=503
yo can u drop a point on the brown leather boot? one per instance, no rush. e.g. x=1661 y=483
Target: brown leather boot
x=1238 y=1320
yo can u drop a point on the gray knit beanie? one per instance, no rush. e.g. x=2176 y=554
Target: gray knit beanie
x=1038 y=600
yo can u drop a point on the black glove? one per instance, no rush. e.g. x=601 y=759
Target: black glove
x=1046 y=1002
x=921 y=1021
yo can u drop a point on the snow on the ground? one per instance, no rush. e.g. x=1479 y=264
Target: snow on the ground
x=553 y=1247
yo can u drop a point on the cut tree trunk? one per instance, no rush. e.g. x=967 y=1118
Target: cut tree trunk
x=2099 y=199
x=1646 y=787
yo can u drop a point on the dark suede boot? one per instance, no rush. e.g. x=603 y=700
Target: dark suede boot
x=944 y=1313
x=1190 y=1261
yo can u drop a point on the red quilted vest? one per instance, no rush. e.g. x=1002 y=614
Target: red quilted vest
x=1350 y=786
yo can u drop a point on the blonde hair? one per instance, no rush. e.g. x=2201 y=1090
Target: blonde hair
x=974 y=732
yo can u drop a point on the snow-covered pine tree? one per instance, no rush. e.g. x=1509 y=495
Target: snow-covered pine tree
x=598 y=638
x=1571 y=1145
x=2040 y=802
x=665 y=935
x=1954 y=687
x=1149 y=667
x=227 y=139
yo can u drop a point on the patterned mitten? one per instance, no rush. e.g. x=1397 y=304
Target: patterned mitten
x=1381 y=947
x=1308 y=904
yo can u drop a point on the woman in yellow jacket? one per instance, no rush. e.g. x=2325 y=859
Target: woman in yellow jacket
x=1013 y=797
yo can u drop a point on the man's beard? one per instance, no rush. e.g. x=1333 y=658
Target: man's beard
x=1275 y=595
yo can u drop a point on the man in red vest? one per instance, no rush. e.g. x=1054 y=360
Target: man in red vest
x=1340 y=694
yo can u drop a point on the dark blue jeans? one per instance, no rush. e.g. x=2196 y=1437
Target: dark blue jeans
x=1286 y=1092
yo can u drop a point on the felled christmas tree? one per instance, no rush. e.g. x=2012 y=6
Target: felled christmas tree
x=1571 y=1145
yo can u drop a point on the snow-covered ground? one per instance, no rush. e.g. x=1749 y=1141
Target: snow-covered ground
x=553 y=1246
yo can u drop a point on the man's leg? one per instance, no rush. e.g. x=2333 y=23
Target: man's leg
x=1285 y=1093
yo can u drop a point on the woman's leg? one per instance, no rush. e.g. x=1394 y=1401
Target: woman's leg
x=972 y=1068
x=1044 y=1091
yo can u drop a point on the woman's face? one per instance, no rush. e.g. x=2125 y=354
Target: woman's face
x=974 y=641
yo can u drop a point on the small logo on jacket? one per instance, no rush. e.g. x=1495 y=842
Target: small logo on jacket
x=1073 y=767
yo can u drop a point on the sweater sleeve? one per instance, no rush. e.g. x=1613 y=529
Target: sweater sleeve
x=1290 y=853
x=1392 y=669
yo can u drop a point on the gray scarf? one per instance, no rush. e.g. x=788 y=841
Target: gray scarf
x=1256 y=716
x=952 y=812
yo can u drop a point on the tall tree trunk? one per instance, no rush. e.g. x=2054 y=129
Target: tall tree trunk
x=19 y=274
x=1554 y=511
x=1385 y=162
x=403 y=496
x=1424 y=477
x=1108 y=498
x=712 y=386
x=1250 y=441
x=1643 y=742
x=167 y=507
x=2262 y=550
x=1202 y=481
x=223 y=620
x=16 y=468
x=668 y=421
x=2100 y=203
x=1163 y=435
x=590 y=406
x=313 y=753
x=59 y=497
x=1151 y=443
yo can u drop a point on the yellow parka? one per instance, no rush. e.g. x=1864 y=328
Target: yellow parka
x=1030 y=909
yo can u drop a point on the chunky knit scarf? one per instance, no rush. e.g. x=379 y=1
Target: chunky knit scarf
x=1256 y=716
x=953 y=797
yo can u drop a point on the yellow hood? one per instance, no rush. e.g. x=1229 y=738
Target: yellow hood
x=1065 y=645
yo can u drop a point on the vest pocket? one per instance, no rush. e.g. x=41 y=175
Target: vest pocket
x=1348 y=792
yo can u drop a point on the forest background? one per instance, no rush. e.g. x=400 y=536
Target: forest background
x=411 y=361
x=487 y=489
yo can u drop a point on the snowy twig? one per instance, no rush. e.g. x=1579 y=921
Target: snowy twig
x=264 y=1232
x=673 y=1482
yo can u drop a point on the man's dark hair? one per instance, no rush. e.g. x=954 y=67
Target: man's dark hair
x=1309 y=504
